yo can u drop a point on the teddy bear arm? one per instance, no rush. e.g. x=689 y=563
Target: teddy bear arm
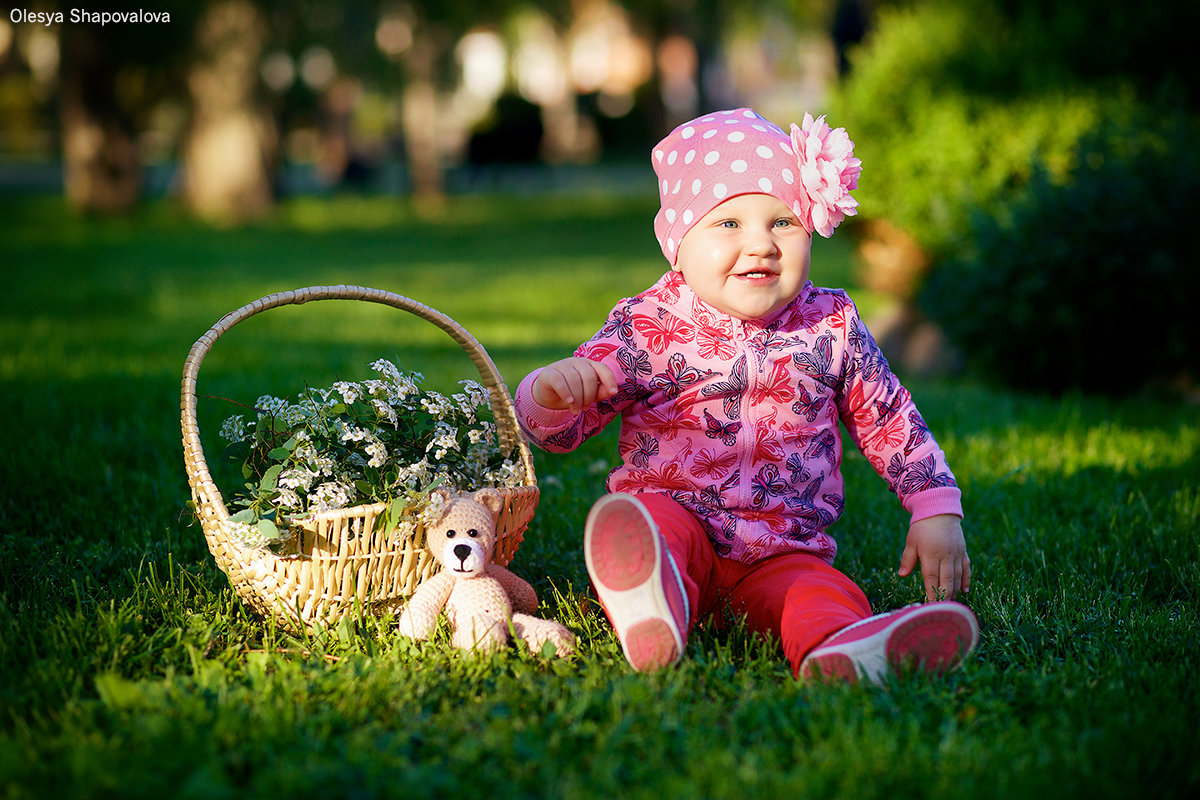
x=536 y=632
x=420 y=614
x=524 y=598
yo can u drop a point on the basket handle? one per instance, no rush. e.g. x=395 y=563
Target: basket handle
x=507 y=428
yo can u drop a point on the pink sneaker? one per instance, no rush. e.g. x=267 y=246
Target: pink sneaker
x=931 y=637
x=637 y=581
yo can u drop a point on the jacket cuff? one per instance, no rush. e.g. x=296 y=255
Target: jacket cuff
x=932 y=502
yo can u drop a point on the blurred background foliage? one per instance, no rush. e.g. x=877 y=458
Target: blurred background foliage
x=1030 y=166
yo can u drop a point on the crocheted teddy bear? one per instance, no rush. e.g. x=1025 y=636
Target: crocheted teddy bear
x=480 y=598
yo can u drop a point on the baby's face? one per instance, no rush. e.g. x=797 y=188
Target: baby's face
x=748 y=257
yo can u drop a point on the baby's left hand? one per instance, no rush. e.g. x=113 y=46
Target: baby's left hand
x=938 y=543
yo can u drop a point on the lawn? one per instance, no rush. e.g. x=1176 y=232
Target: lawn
x=131 y=670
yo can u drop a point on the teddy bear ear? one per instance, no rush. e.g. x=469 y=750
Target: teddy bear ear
x=491 y=499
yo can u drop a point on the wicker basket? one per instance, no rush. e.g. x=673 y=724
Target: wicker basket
x=341 y=564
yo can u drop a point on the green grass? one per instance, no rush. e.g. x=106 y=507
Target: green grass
x=129 y=668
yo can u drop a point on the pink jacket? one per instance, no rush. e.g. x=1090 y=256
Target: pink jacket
x=738 y=420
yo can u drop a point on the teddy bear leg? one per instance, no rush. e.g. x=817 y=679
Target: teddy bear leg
x=481 y=632
x=536 y=631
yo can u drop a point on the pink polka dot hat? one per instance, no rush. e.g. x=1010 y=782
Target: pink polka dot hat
x=717 y=156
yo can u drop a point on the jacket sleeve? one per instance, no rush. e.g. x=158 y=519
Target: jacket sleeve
x=561 y=431
x=882 y=419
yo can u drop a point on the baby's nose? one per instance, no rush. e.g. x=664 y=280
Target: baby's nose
x=760 y=243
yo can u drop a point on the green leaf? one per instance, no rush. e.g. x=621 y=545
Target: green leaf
x=279 y=454
x=270 y=478
x=397 y=509
x=365 y=488
x=268 y=529
x=246 y=515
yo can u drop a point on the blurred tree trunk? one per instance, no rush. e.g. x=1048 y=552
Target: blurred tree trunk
x=101 y=170
x=419 y=119
x=230 y=151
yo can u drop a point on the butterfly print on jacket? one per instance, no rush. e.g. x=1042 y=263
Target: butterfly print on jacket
x=663 y=331
x=917 y=476
x=767 y=483
x=677 y=376
x=634 y=362
x=725 y=431
x=730 y=390
x=818 y=362
x=776 y=387
x=808 y=406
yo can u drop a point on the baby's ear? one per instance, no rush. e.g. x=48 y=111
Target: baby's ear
x=491 y=499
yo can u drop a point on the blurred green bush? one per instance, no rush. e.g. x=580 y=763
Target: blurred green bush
x=1090 y=284
x=987 y=127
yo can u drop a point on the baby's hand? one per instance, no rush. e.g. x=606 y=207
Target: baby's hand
x=573 y=383
x=939 y=545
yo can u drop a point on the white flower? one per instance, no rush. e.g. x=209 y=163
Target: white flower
x=249 y=536
x=269 y=406
x=296 y=478
x=385 y=411
x=405 y=529
x=476 y=391
x=288 y=500
x=333 y=494
x=293 y=416
x=378 y=453
x=510 y=473
x=349 y=391
x=386 y=368
x=349 y=433
x=438 y=405
x=234 y=429
x=415 y=475
x=485 y=434
x=434 y=509
x=445 y=438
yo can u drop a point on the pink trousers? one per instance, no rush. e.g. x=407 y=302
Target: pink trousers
x=798 y=597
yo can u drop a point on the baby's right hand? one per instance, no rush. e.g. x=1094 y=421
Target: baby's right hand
x=573 y=383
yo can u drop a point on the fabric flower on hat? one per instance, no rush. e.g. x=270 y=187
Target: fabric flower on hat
x=828 y=173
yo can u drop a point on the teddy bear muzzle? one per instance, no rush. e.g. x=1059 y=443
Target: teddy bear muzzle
x=464 y=558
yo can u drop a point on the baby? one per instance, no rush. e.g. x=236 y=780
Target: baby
x=730 y=375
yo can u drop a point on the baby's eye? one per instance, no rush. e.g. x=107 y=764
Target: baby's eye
x=783 y=223
x=729 y=223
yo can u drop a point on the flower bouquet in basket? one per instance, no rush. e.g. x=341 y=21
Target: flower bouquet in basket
x=382 y=440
